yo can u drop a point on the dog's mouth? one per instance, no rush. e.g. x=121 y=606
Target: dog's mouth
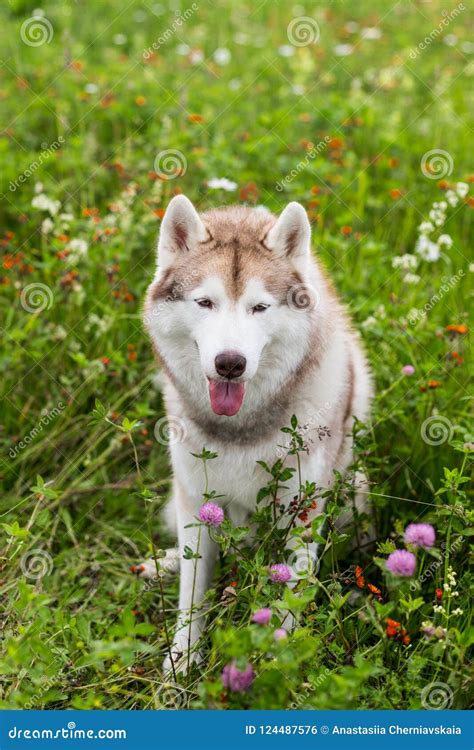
x=226 y=396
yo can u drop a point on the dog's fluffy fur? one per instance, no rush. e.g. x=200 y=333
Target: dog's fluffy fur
x=242 y=280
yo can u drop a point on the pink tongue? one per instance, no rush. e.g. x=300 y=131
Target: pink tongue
x=226 y=397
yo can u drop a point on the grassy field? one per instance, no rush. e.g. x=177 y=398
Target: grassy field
x=361 y=113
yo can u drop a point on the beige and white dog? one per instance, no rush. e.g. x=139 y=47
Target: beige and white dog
x=248 y=331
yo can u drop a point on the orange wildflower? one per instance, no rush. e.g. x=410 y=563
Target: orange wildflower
x=346 y=230
x=433 y=384
x=395 y=193
x=461 y=329
x=360 y=581
x=140 y=101
x=393 y=162
x=195 y=118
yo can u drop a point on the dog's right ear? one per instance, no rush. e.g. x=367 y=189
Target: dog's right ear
x=181 y=231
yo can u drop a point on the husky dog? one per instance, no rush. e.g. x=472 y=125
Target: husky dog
x=248 y=331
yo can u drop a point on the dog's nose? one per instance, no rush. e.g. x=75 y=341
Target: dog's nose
x=230 y=364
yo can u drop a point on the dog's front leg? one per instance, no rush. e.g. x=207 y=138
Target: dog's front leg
x=195 y=580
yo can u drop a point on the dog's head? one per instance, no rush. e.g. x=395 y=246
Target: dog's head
x=232 y=304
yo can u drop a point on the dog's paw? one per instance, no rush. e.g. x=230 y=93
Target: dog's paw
x=150 y=568
x=182 y=661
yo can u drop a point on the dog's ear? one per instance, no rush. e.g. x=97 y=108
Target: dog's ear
x=290 y=236
x=181 y=230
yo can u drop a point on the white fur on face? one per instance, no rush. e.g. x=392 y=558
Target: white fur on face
x=231 y=326
x=191 y=337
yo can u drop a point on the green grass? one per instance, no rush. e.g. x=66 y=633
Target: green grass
x=79 y=630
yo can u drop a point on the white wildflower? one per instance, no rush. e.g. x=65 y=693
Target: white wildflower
x=411 y=278
x=286 y=50
x=221 y=183
x=426 y=227
x=47 y=225
x=458 y=611
x=427 y=249
x=43 y=203
x=196 y=56
x=78 y=247
x=406 y=261
x=222 y=56
x=452 y=198
x=444 y=240
x=343 y=50
x=371 y=32
x=462 y=189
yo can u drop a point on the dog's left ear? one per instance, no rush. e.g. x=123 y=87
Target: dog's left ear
x=291 y=235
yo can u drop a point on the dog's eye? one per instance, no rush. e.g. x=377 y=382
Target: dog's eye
x=205 y=302
x=260 y=308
